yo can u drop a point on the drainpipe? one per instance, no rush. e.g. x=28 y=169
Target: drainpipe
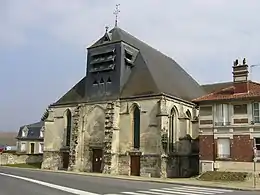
x=213 y=133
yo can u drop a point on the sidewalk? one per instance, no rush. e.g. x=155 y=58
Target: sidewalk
x=246 y=185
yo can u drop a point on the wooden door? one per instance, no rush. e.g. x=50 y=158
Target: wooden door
x=97 y=160
x=65 y=159
x=135 y=165
x=32 y=148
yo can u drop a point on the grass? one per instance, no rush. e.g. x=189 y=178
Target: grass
x=29 y=165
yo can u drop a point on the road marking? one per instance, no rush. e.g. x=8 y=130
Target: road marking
x=62 y=188
x=179 y=190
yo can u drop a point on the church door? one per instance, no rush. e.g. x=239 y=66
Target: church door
x=97 y=160
x=65 y=159
x=135 y=165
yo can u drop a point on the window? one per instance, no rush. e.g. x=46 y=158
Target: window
x=205 y=111
x=41 y=133
x=32 y=148
x=222 y=115
x=68 y=128
x=40 y=147
x=223 y=148
x=240 y=109
x=23 y=147
x=256 y=117
x=257 y=145
x=108 y=80
x=172 y=130
x=136 y=121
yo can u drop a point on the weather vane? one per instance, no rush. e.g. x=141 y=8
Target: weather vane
x=116 y=12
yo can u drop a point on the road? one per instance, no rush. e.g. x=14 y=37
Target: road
x=15 y=181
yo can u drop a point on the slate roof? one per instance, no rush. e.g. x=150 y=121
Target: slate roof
x=33 y=131
x=227 y=93
x=153 y=73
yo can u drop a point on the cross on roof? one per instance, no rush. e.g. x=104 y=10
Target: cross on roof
x=116 y=12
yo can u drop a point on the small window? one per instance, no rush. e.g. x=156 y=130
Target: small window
x=41 y=148
x=95 y=82
x=108 y=80
x=240 y=109
x=257 y=143
x=128 y=55
x=23 y=147
x=101 y=81
x=205 y=111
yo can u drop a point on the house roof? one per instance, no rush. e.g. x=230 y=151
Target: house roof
x=153 y=73
x=225 y=91
x=33 y=131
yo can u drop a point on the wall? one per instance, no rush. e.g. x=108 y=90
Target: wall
x=13 y=158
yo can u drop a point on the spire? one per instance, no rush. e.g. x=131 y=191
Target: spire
x=116 y=12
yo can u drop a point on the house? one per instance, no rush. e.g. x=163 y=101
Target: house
x=30 y=138
x=126 y=115
x=229 y=123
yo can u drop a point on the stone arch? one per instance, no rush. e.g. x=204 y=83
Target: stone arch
x=134 y=104
x=94 y=125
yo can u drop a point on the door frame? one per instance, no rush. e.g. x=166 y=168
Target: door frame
x=132 y=155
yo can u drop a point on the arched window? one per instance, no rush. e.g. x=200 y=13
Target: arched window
x=188 y=122
x=172 y=131
x=68 y=128
x=136 y=125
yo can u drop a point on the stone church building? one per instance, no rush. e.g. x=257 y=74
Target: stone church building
x=126 y=115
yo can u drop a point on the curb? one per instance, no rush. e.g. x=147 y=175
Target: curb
x=140 y=179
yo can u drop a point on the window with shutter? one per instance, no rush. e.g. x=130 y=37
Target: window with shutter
x=223 y=147
x=222 y=115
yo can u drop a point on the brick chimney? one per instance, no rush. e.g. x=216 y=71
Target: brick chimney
x=240 y=77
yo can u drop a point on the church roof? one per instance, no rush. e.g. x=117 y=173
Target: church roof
x=153 y=73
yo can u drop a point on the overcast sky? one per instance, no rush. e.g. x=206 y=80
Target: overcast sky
x=42 y=43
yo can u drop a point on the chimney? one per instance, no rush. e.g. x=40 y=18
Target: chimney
x=240 y=77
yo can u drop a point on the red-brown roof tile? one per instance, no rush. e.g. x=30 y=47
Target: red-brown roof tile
x=227 y=93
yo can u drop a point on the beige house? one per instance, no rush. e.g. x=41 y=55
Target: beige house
x=126 y=115
x=229 y=123
x=30 y=138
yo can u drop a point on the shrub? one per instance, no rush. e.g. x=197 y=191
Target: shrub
x=223 y=176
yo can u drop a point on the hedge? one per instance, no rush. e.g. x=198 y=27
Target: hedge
x=223 y=176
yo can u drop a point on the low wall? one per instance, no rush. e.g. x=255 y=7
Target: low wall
x=230 y=166
x=15 y=158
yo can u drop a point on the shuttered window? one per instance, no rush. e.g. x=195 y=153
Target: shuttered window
x=223 y=147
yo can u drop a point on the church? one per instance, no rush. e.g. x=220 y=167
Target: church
x=126 y=115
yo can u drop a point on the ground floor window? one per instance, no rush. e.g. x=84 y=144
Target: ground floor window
x=23 y=147
x=41 y=148
x=223 y=147
x=257 y=145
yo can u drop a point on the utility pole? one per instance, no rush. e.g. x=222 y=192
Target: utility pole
x=251 y=70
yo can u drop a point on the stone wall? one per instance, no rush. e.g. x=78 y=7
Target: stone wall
x=13 y=158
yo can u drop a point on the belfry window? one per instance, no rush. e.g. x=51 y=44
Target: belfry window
x=101 y=81
x=136 y=126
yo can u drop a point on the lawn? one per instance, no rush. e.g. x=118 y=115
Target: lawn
x=29 y=165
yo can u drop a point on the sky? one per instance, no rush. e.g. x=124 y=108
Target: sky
x=43 y=43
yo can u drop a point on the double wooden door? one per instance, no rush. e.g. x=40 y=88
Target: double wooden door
x=97 y=160
x=135 y=165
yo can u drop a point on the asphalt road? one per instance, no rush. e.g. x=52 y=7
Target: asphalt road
x=15 y=181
